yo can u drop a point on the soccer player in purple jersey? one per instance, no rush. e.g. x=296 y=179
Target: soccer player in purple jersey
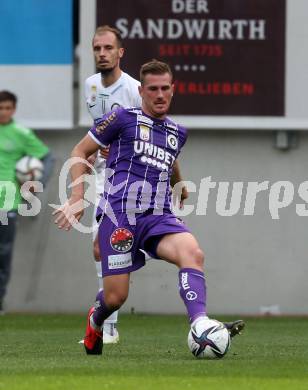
x=105 y=90
x=135 y=211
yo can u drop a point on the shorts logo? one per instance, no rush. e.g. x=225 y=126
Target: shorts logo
x=121 y=240
x=144 y=132
x=172 y=141
x=120 y=261
x=191 y=295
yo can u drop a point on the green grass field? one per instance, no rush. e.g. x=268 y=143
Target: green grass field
x=41 y=352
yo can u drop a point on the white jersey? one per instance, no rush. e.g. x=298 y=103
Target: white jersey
x=123 y=93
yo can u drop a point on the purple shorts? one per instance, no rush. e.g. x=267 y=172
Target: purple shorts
x=120 y=244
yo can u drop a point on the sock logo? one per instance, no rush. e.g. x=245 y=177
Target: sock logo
x=97 y=304
x=191 y=295
x=184 y=281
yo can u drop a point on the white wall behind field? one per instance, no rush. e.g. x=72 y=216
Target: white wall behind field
x=253 y=263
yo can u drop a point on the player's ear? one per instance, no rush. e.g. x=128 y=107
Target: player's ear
x=172 y=89
x=140 y=90
x=121 y=52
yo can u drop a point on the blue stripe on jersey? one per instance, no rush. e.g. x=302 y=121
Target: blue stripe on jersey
x=36 y=32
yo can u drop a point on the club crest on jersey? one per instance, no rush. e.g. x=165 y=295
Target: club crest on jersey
x=121 y=240
x=93 y=93
x=172 y=141
x=144 y=132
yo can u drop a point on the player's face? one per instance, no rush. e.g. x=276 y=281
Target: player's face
x=107 y=54
x=156 y=93
x=7 y=110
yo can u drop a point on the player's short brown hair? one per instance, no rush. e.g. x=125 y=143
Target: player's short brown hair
x=154 y=67
x=105 y=28
x=8 y=96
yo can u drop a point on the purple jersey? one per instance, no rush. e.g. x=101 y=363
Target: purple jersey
x=142 y=152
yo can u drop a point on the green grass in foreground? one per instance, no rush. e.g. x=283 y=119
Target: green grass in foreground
x=41 y=352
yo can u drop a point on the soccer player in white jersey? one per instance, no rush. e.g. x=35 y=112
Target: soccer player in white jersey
x=106 y=90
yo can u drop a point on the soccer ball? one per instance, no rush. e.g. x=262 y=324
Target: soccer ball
x=208 y=339
x=29 y=168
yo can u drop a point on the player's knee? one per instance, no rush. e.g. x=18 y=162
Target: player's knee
x=115 y=300
x=198 y=257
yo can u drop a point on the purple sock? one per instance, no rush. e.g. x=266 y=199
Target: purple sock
x=101 y=310
x=193 y=292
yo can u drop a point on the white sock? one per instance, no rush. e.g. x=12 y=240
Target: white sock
x=98 y=266
x=110 y=323
x=110 y=329
x=113 y=318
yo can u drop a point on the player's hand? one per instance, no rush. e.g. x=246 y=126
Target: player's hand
x=184 y=196
x=104 y=152
x=69 y=213
x=91 y=159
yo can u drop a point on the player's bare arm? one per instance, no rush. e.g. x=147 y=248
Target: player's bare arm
x=104 y=152
x=72 y=211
